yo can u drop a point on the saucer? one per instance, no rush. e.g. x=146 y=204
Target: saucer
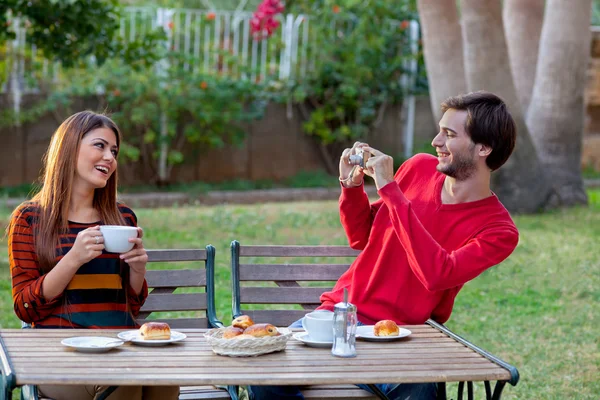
x=92 y=344
x=307 y=340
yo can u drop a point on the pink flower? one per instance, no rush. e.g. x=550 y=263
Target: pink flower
x=263 y=22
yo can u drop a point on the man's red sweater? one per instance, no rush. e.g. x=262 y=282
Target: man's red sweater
x=417 y=253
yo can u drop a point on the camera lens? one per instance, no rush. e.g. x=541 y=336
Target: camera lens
x=356 y=159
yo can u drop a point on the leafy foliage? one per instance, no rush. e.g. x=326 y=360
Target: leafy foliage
x=363 y=47
x=160 y=106
x=70 y=30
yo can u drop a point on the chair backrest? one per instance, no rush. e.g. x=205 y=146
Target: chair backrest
x=193 y=306
x=294 y=289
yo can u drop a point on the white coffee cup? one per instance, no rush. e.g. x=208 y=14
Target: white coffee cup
x=319 y=325
x=116 y=237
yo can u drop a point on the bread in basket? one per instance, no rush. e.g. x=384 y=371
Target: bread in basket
x=255 y=340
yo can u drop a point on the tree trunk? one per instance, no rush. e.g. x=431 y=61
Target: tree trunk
x=521 y=184
x=442 y=44
x=557 y=110
x=523 y=21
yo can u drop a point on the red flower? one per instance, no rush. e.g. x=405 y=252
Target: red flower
x=170 y=24
x=203 y=85
x=211 y=16
x=335 y=9
x=263 y=22
x=116 y=92
x=404 y=24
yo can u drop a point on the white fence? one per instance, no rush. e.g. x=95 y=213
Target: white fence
x=212 y=41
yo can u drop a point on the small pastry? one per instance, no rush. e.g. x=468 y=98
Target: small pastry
x=243 y=321
x=155 y=331
x=261 y=330
x=231 y=331
x=386 y=327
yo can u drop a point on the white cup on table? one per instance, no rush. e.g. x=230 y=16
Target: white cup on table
x=319 y=325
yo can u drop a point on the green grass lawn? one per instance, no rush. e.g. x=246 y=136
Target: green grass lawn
x=539 y=310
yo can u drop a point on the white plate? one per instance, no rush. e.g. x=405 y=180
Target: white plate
x=365 y=332
x=92 y=344
x=135 y=337
x=307 y=340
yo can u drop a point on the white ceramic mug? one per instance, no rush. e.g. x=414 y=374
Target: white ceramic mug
x=116 y=237
x=319 y=325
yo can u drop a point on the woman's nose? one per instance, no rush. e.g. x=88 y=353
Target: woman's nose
x=109 y=156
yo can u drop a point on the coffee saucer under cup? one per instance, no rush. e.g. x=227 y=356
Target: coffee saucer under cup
x=307 y=340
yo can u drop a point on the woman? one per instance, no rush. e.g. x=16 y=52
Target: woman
x=61 y=275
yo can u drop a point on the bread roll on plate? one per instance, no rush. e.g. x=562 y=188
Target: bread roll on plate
x=155 y=331
x=386 y=327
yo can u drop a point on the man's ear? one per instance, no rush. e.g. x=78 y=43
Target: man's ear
x=484 y=150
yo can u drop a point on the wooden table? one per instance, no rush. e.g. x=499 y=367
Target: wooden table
x=32 y=356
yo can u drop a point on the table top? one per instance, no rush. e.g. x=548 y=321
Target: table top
x=36 y=356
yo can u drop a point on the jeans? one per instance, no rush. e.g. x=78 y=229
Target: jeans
x=394 y=391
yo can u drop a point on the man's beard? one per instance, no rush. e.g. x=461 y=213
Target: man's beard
x=461 y=168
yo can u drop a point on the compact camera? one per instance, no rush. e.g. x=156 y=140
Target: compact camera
x=359 y=158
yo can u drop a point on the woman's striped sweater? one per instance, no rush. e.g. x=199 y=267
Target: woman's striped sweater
x=95 y=297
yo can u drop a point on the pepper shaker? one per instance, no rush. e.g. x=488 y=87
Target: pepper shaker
x=344 y=328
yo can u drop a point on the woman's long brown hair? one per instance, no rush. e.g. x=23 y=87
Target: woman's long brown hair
x=54 y=198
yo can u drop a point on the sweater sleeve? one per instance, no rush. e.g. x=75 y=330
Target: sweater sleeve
x=28 y=300
x=356 y=215
x=137 y=301
x=436 y=268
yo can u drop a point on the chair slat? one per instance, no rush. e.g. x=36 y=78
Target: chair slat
x=175 y=302
x=176 y=278
x=281 y=318
x=180 y=323
x=291 y=272
x=297 y=251
x=283 y=295
x=176 y=255
x=202 y=392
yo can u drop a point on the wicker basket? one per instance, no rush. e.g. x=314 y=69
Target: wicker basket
x=247 y=347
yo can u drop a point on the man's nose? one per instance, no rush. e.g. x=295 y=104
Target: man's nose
x=436 y=142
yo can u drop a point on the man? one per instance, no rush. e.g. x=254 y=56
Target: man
x=436 y=225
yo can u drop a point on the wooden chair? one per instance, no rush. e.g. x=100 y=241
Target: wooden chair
x=288 y=288
x=162 y=285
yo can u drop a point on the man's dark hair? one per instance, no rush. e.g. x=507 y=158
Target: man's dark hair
x=488 y=122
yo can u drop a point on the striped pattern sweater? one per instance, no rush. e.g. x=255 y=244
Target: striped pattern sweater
x=99 y=294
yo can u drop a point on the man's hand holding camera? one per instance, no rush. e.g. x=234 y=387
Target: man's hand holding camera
x=375 y=164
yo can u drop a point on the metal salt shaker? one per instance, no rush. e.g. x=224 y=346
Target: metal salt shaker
x=344 y=329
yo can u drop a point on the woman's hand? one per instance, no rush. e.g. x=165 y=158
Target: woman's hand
x=136 y=257
x=88 y=245
x=346 y=168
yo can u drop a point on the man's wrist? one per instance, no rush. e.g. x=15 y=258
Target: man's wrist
x=350 y=184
